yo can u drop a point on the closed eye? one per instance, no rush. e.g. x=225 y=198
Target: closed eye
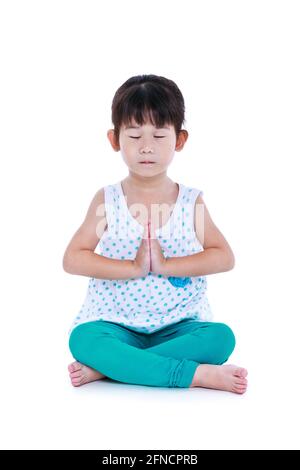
x=156 y=137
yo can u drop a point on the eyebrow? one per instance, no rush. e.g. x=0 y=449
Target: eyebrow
x=138 y=127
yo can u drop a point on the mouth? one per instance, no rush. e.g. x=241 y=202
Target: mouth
x=147 y=162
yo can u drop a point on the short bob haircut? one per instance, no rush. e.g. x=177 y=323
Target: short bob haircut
x=144 y=97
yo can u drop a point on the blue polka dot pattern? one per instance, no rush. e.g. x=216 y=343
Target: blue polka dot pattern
x=179 y=281
x=151 y=302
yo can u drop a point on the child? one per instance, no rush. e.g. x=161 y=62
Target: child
x=146 y=318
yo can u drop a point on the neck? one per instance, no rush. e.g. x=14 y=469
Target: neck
x=147 y=183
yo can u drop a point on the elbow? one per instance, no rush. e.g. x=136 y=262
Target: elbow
x=226 y=260
x=66 y=263
x=230 y=261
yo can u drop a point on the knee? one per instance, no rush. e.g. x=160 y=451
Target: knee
x=77 y=340
x=85 y=337
x=224 y=342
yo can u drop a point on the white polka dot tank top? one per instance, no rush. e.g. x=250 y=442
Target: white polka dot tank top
x=150 y=303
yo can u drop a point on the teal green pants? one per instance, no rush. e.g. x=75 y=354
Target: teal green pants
x=166 y=358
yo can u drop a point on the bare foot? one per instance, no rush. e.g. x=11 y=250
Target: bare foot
x=226 y=377
x=81 y=374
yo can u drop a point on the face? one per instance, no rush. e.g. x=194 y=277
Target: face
x=148 y=150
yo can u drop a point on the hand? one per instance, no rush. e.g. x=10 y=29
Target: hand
x=158 y=260
x=142 y=259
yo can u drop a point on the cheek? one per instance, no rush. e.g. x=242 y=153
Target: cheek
x=169 y=143
x=127 y=147
x=169 y=147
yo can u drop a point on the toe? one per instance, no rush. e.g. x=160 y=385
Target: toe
x=74 y=366
x=240 y=372
x=244 y=372
x=76 y=375
x=241 y=381
x=76 y=381
x=240 y=388
x=240 y=385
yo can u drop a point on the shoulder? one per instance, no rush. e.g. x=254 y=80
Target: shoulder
x=103 y=199
x=199 y=217
x=199 y=198
x=91 y=229
x=97 y=199
x=190 y=192
x=206 y=230
x=96 y=210
x=204 y=224
x=103 y=194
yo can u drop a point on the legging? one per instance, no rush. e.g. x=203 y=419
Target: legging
x=166 y=358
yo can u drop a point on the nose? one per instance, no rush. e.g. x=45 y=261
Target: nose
x=146 y=149
x=146 y=144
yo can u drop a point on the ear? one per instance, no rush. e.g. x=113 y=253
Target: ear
x=181 y=140
x=112 y=138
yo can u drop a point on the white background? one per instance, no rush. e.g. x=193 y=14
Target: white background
x=237 y=65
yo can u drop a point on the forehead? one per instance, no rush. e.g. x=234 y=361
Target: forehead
x=134 y=125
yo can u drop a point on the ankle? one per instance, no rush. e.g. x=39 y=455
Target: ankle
x=198 y=373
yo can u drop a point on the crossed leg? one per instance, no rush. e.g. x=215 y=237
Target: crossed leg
x=186 y=354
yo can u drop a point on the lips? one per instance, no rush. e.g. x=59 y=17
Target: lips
x=147 y=161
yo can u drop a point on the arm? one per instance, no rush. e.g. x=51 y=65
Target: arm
x=79 y=257
x=216 y=257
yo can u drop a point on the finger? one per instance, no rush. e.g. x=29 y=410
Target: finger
x=146 y=244
x=149 y=230
x=145 y=233
x=152 y=233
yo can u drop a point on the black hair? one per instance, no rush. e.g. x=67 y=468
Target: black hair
x=144 y=97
